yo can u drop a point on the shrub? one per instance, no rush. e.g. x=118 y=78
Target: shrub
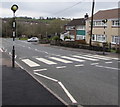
x=56 y=38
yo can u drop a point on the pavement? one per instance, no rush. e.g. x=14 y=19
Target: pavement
x=19 y=88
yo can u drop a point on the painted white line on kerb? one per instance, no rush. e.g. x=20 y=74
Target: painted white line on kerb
x=79 y=65
x=107 y=67
x=68 y=94
x=30 y=63
x=108 y=62
x=61 y=60
x=61 y=67
x=74 y=59
x=94 y=63
x=39 y=70
x=46 y=61
x=91 y=59
x=46 y=77
x=1 y=50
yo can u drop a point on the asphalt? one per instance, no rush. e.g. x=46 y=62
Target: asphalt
x=108 y=54
x=19 y=88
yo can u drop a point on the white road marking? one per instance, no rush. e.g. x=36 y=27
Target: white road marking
x=5 y=50
x=15 y=56
x=106 y=57
x=61 y=60
x=30 y=63
x=46 y=52
x=46 y=61
x=85 y=58
x=61 y=67
x=93 y=56
x=36 y=50
x=116 y=58
x=62 y=86
x=79 y=65
x=10 y=53
x=1 y=50
x=46 y=77
x=74 y=59
x=39 y=70
x=68 y=94
x=94 y=63
x=107 y=67
x=29 y=47
x=108 y=62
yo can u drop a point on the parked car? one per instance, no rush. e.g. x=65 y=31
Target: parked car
x=33 y=39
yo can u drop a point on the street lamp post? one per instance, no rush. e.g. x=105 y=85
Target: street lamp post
x=14 y=8
x=104 y=21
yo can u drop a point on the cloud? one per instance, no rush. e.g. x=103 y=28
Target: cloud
x=54 y=9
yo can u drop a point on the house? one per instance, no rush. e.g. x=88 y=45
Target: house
x=75 y=30
x=104 y=32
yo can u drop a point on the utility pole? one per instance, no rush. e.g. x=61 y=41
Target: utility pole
x=93 y=4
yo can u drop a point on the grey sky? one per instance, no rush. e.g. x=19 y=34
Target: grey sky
x=54 y=9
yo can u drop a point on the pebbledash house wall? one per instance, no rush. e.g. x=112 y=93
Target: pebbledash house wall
x=110 y=31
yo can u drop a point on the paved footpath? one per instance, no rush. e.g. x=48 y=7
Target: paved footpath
x=19 y=88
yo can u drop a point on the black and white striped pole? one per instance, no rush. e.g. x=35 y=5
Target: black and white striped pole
x=104 y=21
x=14 y=8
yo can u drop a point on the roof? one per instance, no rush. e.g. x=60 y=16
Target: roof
x=107 y=14
x=76 y=22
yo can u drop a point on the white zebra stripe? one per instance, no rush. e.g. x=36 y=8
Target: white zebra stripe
x=91 y=59
x=61 y=60
x=46 y=61
x=74 y=59
x=30 y=63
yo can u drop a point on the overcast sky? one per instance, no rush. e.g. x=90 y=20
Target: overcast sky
x=54 y=8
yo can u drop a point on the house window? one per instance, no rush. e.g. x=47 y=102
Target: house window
x=116 y=22
x=115 y=39
x=98 y=23
x=99 y=38
x=80 y=37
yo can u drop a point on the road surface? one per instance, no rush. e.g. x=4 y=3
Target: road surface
x=75 y=77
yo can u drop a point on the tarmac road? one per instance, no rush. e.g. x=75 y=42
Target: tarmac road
x=76 y=77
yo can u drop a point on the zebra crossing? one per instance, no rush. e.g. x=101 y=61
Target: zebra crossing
x=54 y=60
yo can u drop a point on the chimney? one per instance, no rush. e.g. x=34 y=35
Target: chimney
x=86 y=16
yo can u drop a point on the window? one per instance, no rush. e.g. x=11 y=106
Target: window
x=99 y=38
x=98 y=23
x=116 y=22
x=80 y=37
x=115 y=39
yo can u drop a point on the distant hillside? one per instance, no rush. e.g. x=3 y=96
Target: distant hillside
x=34 y=27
